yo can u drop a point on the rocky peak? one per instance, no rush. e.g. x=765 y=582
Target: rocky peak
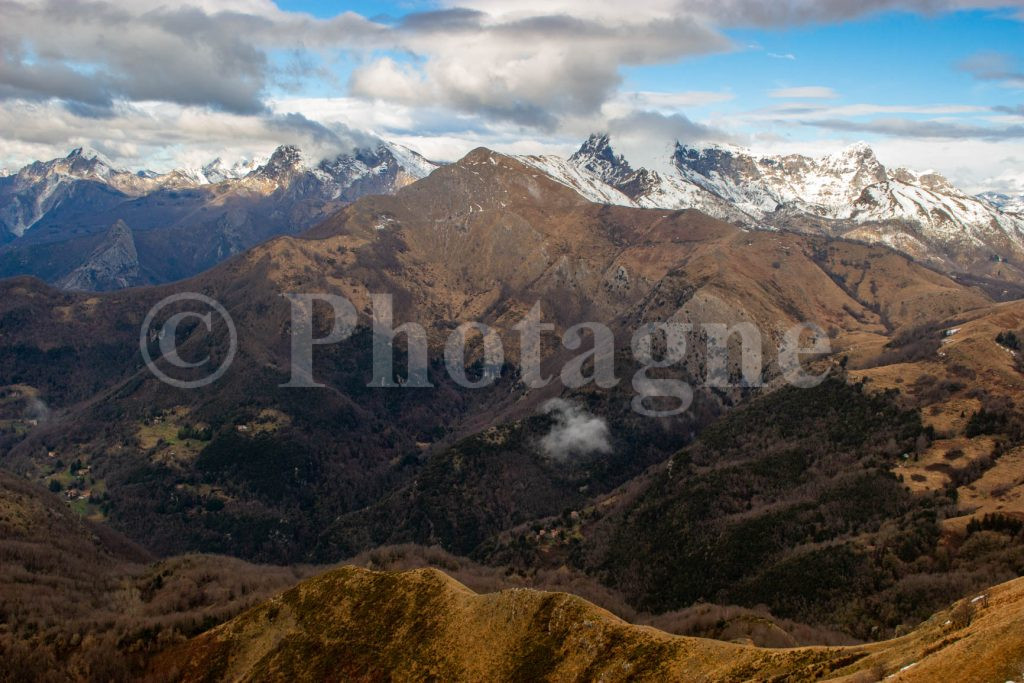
x=727 y=162
x=936 y=182
x=858 y=160
x=360 y=161
x=597 y=156
x=84 y=153
x=284 y=163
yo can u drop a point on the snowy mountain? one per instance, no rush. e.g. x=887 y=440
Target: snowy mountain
x=848 y=193
x=55 y=216
x=218 y=171
x=81 y=178
x=344 y=178
x=602 y=176
x=1008 y=203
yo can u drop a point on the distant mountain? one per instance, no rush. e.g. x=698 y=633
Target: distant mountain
x=849 y=193
x=114 y=264
x=217 y=171
x=207 y=213
x=1004 y=202
x=54 y=215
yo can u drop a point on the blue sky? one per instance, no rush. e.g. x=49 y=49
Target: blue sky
x=933 y=84
x=893 y=57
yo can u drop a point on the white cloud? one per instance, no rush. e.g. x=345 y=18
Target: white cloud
x=575 y=432
x=530 y=69
x=808 y=92
x=528 y=76
x=666 y=102
x=159 y=135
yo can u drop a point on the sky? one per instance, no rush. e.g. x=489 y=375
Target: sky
x=930 y=84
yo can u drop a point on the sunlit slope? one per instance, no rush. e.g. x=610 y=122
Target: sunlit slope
x=356 y=624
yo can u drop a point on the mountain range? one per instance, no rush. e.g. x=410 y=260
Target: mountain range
x=849 y=193
x=852 y=511
x=211 y=212
x=56 y=217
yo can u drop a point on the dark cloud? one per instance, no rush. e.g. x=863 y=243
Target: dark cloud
x=674 y=127
x=442 y=20
x=317 y=137
x=737 y=13
x=992 y=66
x=95 y=52
x=1016 y=111
x=908 y=128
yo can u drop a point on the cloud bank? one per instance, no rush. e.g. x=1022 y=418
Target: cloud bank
x=156 y=83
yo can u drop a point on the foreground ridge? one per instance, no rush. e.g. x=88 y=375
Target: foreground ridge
x=358 y=624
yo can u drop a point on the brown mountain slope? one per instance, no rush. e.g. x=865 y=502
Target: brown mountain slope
x=355 y=624
x=80 y=602
x=482 y=239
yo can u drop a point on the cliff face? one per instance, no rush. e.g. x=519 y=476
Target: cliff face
x=114 y=264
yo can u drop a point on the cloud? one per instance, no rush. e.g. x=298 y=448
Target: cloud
x=530 y=69
x=1013 y=111
x=810 y=92
x=574 y=431
x=994 y=66
x=909 y=128
x=787 y=55
x=757 y=13
x=94 y=53
x=37 y=410
x=670 y=127
x=179 y=80
x=667 y=101
x=733 y=13
x=165 y=136
x=646 y=138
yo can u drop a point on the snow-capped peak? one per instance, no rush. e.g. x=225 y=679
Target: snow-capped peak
x=414 y=163
x=859 y=155
x=285 y=161
x=859 y=149
x=848 y=192
x=597 y=157
x=88 y=154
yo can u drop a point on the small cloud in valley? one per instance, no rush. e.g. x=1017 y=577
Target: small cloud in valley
x=574 y=431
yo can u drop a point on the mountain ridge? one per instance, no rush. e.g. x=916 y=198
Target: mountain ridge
x=356 y=623
x=848 y=193
x=845 y=193
x=54 y=215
